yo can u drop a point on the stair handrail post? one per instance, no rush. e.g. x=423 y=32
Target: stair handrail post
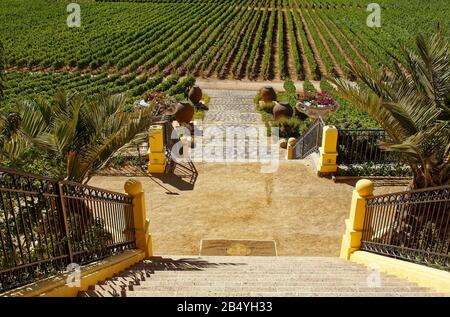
x=328 y=150
x=143 y=235
x=65 y=222
x=351 y=240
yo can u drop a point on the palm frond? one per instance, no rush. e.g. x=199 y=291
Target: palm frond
x=411 y=102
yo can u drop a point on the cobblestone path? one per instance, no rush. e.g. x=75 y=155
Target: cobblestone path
x=232 y=107
x=232 y=128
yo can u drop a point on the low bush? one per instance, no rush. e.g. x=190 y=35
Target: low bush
x=308 y=86
x=266 y=107
x=347 y=116
x=371 y=169
x=289 y=128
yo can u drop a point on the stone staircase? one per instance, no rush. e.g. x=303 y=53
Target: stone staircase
x=251 y=276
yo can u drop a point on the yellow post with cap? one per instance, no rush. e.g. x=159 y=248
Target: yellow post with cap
x=290 y=148
x=351 y=240
x=156 y=155
x=143 y=236
x=328 y=151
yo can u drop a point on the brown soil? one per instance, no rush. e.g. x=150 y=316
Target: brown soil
x=210 y=83
x=304 y=214
x=327 y=48
x=225 y=71
x=335 y=41
x=350 y=44
x=273 y=65
x=210 y=69
x=289 y=58
x=182 y=69
x=313 y=46
x=240 y=71
x=305 y=65
x=254 y=71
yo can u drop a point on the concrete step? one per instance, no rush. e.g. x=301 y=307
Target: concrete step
x=278 y=294
x=266 y=268
x=253 y=293
x=262 y=288
x=183 y=283
x=248 y=259
x=257 y=275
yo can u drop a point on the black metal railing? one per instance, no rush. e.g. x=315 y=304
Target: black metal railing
x=310 y=141
x=45 y=225
x=410 y=225
x=356 y=146
x=169 y=140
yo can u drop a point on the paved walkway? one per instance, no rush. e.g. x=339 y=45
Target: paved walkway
x=232 y=127
x=232 y=107
x=303 y=213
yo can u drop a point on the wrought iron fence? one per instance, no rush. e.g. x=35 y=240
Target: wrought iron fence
x=310 y=141
x=357 y=146
x=410 y=225
x=45 y=225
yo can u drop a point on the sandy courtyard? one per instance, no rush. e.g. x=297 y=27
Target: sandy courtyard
x=303 y=213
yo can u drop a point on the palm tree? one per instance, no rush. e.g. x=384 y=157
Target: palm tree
x=411 y=102
x=83 y=132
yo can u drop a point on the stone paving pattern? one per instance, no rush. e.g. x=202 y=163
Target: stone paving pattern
x=233 y=111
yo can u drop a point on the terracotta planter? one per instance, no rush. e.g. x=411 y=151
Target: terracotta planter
x=307 y=104
x=282 y=110
x=184 y=112
x=268 y=94
x=195 y=94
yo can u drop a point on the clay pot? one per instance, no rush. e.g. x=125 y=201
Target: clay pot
x=268 y=94
x=282 y=110
x=184 y=112
x=195 y=94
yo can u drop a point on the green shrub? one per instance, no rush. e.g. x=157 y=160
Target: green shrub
x=308 y=86
x=371 y=169
x=289 y=128
x=289 y=86
x=291 y=96
x=326 y=86
x=266 y=107
x=256 y=99
x=347 y=116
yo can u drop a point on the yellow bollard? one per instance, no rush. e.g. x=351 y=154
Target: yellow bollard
x=290 y=148
x=141 y=222
x=328 y=151
x=351 y=240
x=156 y=155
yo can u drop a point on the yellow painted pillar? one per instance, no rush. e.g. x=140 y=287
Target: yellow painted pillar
x=156 y=155
x=351 y=240
x=290 y=148
x=141 y=222
x=328 y=151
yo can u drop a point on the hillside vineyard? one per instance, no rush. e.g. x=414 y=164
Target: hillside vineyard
x=254 y=39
